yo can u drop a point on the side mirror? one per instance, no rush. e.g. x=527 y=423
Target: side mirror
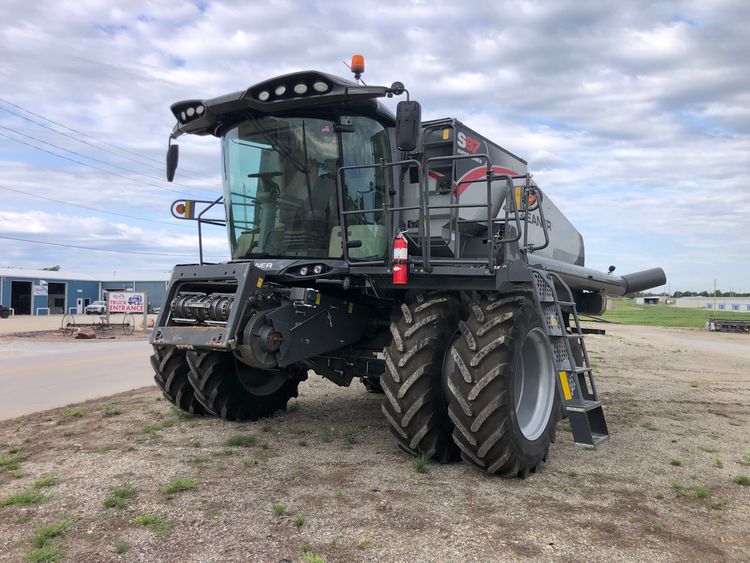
x=173 y=155
x=408 y=122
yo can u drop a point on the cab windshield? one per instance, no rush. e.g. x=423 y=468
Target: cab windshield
x=281 y=193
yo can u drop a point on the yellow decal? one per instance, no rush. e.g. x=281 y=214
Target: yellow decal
x=518 y=198
x=187 y=208
x=317 y=299
x=446 y=134
x=565 y=387
x=351 y=308
x=260 y=283
x=553 y=321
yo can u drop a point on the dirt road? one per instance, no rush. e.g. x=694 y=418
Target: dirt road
x=326 y=478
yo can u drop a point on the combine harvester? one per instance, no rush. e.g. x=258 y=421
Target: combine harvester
x=417 y=256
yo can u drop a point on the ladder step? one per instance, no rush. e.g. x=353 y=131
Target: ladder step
x=583 y=370
x=596 y=439
x=584 y=405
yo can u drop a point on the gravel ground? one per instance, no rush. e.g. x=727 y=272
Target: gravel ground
x=677 y=403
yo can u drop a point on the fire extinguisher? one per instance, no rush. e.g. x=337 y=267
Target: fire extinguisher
x=400 y=257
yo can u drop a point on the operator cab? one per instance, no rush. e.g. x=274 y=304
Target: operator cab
x=280 y=191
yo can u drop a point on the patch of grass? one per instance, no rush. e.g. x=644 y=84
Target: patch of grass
x=708 y=449
x=264 y=445
x=45 y=533
x=743 y=480
x=266 y=427
x=159 y=525
x=26 y=497
x=657 y=527
x=111 y=410
x=299 y=521
x=365 y=543
x=310 y=557
x=178 y=485
x=305 y=547
x=419 y=464
x=11 y=463
x=179 y=413
x=240 y=441
x=334 y=542
x=745 y=460
x=325 y=437
x=227 y=451
x=676 y=463
x=350 y=438
x=78 y=412
x=46 y=554
x=702 y=492
x=338 y=493
x=648 y=425
x=118 y=497
x=196 y=443
x=157 y=426
x=718 y=463
x=278 y=509
x=122 y=547
x=249 y=462
x=197 y=461
x=627 y=312
x=678 y=487
x=49 y=481
x=717 y=504
x=302 y=443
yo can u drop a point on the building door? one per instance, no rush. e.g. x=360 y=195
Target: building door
x=79 y=306
x=56 y=298
x=20 y=297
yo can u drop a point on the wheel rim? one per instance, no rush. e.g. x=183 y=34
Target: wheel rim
x=534 y=385
x=258 y=382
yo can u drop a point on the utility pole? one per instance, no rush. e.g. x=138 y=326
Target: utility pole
x=714 y=294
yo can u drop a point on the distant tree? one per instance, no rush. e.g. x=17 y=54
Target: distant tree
x=55 y=268
x=704 y=294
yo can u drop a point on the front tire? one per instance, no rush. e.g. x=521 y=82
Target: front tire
x=171 y=375
x=504 y=398
x=414 y=404
x=234 y=391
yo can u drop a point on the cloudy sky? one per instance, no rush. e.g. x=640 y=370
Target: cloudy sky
x=635 y=119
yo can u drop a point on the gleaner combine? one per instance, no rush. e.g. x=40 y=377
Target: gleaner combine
x=419 y=257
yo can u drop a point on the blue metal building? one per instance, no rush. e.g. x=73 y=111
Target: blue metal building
x=44 y=292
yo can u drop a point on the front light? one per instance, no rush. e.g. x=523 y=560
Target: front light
x=264 y=95
x=199 y=110
x=320 y=87
x=280 y=90
x=190 y=112
x=300 y=88
x=303 y=271
x=318 y=269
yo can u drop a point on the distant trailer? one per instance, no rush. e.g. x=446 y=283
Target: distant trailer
x=728 y=325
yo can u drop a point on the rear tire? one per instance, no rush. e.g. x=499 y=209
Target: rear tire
x=234 y=391
x=504 y=397
x=414 y=404
x=171 y=375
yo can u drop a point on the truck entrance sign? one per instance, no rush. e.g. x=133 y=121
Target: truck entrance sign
x=126 y=302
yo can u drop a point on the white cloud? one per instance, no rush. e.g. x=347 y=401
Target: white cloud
x=635 y=118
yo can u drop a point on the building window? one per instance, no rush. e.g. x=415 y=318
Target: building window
x=735 y=307
x=721 y=306
x=709 y=306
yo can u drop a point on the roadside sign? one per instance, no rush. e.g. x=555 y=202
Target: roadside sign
x=126 y=302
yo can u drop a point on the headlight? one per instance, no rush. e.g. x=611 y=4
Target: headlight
x=300 y=88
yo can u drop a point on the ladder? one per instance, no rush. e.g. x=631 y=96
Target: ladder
x=575 y=381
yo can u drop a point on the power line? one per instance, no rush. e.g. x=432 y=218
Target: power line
x=77 y=131
x=91 y=157
x=91 y=208
x=91 y=166
x=115 y=250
